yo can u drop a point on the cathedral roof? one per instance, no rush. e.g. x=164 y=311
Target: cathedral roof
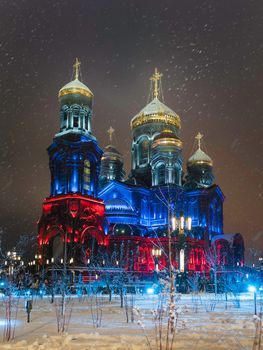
x=200 y=157
x=75 y=87
x=167 y=137
x=156 y=107
x=156 y=111
x=112 y=149
x=111 y=153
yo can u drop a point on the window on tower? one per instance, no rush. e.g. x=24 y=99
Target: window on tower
x=161 y=174
x=76 y=122
x=143 y=149
x=86 y=175
x=86 y=122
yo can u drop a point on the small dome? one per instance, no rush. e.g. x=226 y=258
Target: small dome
x=75 y=87
x=112 y=153
x=199 y=158
x=167 y=138
x=111 y=149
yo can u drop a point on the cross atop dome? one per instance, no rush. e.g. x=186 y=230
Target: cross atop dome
x=76 y=67
x=156 y=80
x=110 y=132
x=199 y=137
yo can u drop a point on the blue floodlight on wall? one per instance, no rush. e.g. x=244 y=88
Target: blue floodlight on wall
x=150 y=291
x=252 y=289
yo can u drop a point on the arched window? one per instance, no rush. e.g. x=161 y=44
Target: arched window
x=160 y=172
x=86 y=175
x=76 y=122
x=143 y=151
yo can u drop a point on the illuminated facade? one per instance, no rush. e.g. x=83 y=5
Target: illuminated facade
x=137 y=208
x=97 y=215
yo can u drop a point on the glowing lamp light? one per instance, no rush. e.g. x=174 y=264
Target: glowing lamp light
x=174 y=223
x=189 y=223
x=181 y=260
x=181 y=222
x=150 y=291
x=252 y=289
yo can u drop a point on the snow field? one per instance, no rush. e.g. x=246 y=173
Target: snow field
x=225 y=327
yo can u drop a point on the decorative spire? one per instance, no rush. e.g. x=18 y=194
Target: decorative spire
x=76 y=67
x=199 y=137
x=110 y=132
x=156 y=79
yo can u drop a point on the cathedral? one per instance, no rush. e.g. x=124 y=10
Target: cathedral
x=98 y=216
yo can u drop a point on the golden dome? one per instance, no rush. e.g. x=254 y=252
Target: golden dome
x=199 y=157
x=156 y=112
x=75 y=87
x=167 y=138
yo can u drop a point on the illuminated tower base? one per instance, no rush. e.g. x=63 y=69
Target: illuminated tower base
x=73 y=219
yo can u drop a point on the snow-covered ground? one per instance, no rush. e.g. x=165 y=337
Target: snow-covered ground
x=202 y=323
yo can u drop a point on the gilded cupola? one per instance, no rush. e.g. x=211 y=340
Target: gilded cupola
x=167 y=138
x=199 y=168
x=199 y=157
x=111 y=163
x=156 y=111
x=75 y=91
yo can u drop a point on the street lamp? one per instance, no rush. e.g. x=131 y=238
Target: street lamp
x=183 y=223
x=253 y=289
x=156 y=253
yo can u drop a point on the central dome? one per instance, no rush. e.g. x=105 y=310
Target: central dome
x=156 y=112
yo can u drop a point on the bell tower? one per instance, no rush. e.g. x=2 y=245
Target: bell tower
x=73 y=215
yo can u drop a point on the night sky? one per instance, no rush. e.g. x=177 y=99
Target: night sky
x=211 y=55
